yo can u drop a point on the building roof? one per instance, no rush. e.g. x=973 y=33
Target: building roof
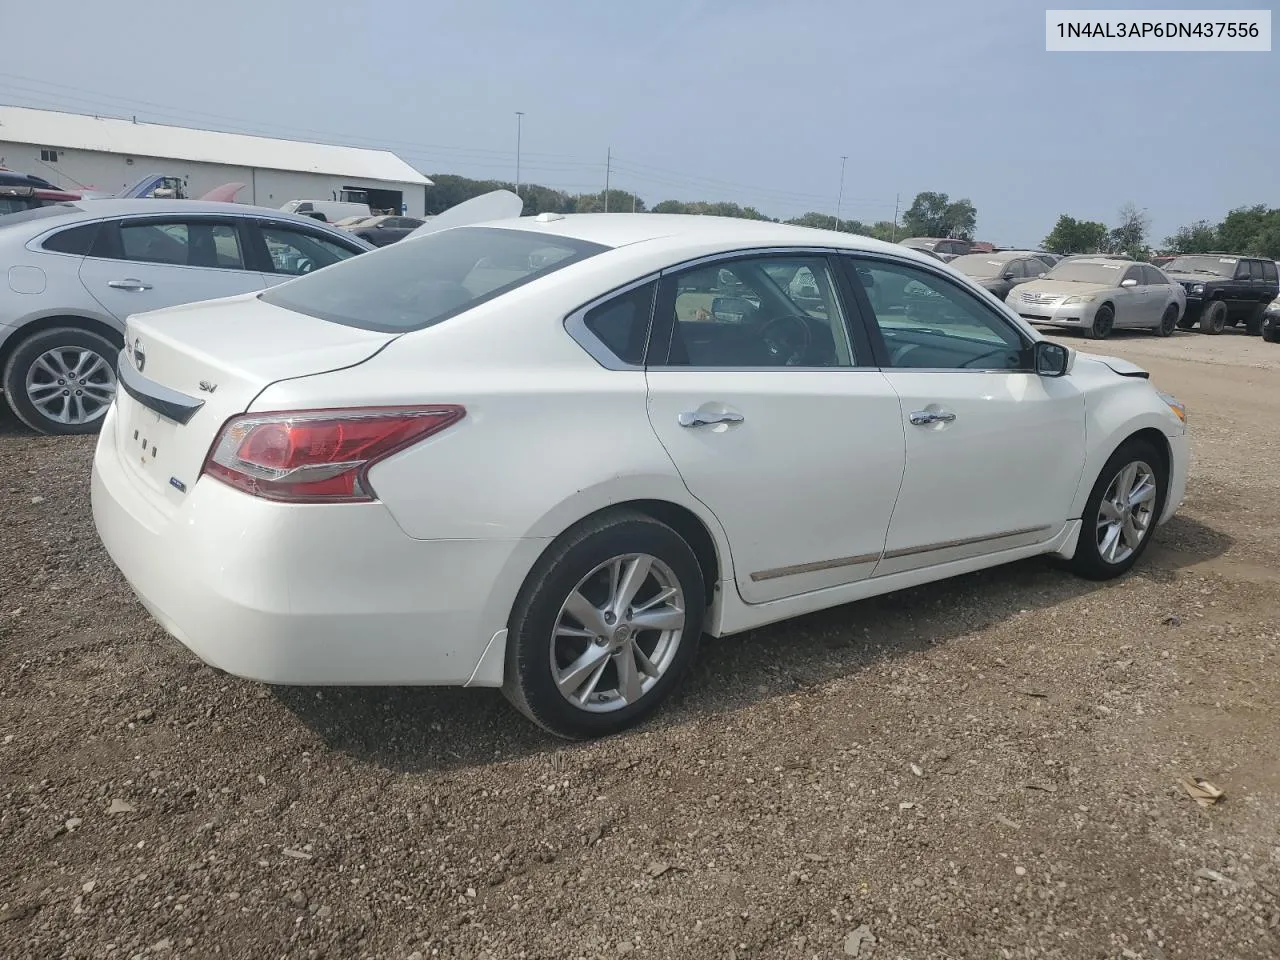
x=73 y=131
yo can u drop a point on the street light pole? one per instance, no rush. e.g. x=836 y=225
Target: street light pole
x=840 y=195
x=519 y=124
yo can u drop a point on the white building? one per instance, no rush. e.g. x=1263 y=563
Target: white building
x=108 y=154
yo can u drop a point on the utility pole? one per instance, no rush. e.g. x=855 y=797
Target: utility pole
x=519 y=124
x=633 y=202
x=840 y=195
x=897 y=198
x=608 y=168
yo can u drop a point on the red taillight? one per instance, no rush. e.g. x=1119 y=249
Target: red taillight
x=318 y=456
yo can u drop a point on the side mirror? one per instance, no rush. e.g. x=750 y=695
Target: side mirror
x=1051 y=359
x=1129 y=283
x=1007 y=276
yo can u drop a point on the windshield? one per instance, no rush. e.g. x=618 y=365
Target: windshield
x=979 y=265
x=1082 y=271
x=422 y=281
x=1217 y=266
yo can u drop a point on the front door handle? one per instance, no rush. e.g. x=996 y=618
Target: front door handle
x=696 y=418
x=922 y=418
x=134 y=285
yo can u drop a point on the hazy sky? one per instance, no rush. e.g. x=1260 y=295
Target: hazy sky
x=744 y=100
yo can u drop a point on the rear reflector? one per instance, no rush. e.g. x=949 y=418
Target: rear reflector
x=318 y=456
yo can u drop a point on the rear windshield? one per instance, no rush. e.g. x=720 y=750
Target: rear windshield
x=421 y=281
x=37 y=213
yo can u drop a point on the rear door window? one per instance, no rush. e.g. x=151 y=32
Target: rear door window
x=182 y=243
x=423 y=281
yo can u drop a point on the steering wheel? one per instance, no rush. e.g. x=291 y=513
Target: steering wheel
x=304 y=265
x=983 y=356
x=895 y=359
x=788 y=336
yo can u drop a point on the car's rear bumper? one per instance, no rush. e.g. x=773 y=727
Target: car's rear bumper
x=306 y=594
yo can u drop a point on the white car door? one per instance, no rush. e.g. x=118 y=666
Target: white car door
x=149 y=262
x=776 y=420
x=994 y=452
x=293 y=250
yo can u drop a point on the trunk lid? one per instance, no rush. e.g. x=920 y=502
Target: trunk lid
x=184 y=371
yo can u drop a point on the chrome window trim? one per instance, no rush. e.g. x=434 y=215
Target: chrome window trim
x=575 y=324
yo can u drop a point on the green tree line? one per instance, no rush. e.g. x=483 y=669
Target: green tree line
x=1251 y=231
x=930 y=214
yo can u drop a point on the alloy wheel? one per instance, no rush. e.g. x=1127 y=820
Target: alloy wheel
x=72 y=385
x=617 y=633
x=1126 y=512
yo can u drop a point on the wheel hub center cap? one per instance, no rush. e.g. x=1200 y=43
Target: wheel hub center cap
x=621 y=634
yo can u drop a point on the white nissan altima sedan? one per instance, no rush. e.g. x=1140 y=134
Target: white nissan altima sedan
x=548 y=453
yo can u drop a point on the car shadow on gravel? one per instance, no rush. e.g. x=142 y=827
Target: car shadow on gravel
x=425 y=729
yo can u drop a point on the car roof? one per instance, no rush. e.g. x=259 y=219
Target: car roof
x=679 y=230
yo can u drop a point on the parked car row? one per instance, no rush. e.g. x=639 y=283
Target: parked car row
x=77 y=270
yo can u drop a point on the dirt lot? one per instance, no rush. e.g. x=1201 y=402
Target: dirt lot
x=985 y=768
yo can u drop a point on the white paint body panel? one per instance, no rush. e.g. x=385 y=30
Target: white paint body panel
x=418 y=587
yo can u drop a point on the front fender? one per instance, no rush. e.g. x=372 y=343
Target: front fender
x=1116 y=408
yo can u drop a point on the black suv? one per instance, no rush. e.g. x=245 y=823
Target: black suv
x=1224 y=290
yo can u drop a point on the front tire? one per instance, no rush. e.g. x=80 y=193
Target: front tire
x=1122 y=511
x=1271 y=334
x=605 y=626
x=1169 y=321
x=62 y=381
x=1214 y=319
x=1103 y=322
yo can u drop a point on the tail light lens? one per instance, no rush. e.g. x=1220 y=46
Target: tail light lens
x=318 y=456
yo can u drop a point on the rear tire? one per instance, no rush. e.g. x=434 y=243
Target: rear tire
x=573 y=610
x=1271 y=334
x=62 y=405
x=1112 y=539
x=1103 y=322
x=1214 y=318
x=1169 y=321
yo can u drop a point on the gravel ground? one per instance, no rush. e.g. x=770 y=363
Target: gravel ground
x=984 y=768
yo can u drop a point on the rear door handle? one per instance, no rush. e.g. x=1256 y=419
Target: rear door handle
x=922 y=418
x=696 y=418
x=133 y=285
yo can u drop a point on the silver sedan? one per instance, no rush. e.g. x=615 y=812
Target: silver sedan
x=75 y=271
x=1099 y=294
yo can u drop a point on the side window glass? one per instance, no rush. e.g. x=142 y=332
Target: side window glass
x=1154 y=276
x=1133 y=273
x=1242 y=270
x=185 y=244
x=73 y=240
x=758 y=312
x=295 y=253
x=622 y=324
x=1269 y=271
x=1255 y=269
x=928 y=322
